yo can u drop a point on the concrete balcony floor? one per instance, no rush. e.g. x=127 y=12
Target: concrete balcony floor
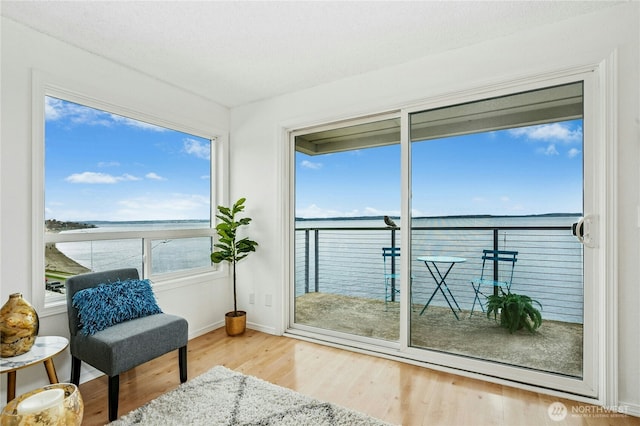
x=555 y=347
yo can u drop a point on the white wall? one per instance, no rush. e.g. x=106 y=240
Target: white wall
x=257 y=154
x=258 y=144
x=204 y=301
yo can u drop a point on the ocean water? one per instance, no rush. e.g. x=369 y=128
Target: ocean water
x=343 y=256
x=124 y=253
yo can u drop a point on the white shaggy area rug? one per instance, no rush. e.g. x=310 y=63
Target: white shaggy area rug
x=225 y=397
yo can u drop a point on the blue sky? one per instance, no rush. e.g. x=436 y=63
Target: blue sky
x=101 y=166
x=529 y=170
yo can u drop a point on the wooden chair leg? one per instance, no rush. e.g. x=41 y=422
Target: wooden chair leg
x=114 y=390
x=182 y=360
x=11 y=386
x=75 y=370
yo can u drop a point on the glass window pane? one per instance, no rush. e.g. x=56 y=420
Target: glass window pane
x=347 y=180
x=99 y=256
x=109 y=173
x=179 y=254
x=101 y=166
x=500 y=174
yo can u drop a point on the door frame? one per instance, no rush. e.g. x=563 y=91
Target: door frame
x=600 y=376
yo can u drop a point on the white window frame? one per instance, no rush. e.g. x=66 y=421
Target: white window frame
x=46 y=85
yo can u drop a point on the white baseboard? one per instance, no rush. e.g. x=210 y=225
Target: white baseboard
x=204 y=330
x=262 y=328
x=629 y=408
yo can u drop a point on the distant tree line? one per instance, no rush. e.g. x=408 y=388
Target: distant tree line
x=57 y=225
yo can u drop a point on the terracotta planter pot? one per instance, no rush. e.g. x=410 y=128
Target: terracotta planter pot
x=235 y=325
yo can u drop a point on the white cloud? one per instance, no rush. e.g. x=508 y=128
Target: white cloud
x=127 y=176
x=557 y=132
x=135 y=123
x=91 y=177
x=154 y=176
x=310 y=165
x=108 y=164
x=372 y=211
x=57 y=109
x=573 y=152
x=99 y=178
x=314 y=211
x=53 y=108
x=173 y=206
x=550 y=150
x=197 y=148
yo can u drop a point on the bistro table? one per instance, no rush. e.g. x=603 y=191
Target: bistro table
x=432 y=265
x=43 y=350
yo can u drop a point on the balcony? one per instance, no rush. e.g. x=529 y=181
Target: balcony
x=339 y=286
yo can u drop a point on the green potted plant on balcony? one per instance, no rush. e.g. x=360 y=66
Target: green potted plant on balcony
x=517 y=311
x=232 y=249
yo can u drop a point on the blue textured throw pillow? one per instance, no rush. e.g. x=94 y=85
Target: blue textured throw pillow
x=109 y=304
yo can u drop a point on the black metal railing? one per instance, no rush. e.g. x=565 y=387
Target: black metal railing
x=349 y=261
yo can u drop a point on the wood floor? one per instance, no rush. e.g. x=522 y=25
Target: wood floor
x=392 y=391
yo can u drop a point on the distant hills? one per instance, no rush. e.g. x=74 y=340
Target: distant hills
x=470 y=216
x=54 y=225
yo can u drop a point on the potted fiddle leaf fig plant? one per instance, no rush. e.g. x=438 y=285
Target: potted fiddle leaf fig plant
x=517 y=311
x=232 y=249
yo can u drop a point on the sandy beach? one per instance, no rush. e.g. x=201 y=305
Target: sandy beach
x=57 y=262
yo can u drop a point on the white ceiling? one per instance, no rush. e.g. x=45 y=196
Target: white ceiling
x=237 y=52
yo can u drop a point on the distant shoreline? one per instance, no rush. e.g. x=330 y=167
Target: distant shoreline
x=97 y=223
x=461 y=216
x=53 y=225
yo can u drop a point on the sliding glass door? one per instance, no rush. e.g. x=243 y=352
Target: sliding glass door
x=497 y=185
x=416 y=230
x=347 y=182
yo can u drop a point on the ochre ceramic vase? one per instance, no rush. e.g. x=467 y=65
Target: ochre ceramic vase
x=235 y=325
x=19 y=326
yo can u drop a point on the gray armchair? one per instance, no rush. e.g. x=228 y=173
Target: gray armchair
x=125 y=345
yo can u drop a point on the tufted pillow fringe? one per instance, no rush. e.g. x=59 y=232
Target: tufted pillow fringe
x=109 y=304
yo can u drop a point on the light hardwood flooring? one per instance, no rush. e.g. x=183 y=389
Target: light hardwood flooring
x=392 y=391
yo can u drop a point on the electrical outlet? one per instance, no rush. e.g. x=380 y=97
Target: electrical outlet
x=252 y=298
x=267 y=300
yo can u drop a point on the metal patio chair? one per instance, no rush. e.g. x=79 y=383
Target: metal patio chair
x=491 y=273
x=392 y=274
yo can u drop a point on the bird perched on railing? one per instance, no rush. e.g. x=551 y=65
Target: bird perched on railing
x=390 y=223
